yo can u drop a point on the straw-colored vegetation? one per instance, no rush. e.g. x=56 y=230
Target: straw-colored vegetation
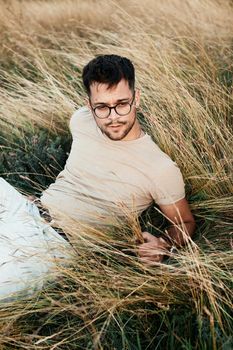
x=183 y=51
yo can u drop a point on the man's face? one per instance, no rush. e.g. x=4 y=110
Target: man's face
x=115 y=127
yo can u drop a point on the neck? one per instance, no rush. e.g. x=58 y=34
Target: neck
x=135 y=133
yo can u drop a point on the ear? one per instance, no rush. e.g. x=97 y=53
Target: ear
x=137 y=97
x=87 y=102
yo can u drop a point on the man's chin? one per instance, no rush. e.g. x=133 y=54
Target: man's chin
x=115 y=137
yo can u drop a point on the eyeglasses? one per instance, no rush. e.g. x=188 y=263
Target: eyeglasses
x=122 y=108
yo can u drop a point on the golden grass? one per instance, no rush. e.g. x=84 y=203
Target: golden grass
x=182 y=51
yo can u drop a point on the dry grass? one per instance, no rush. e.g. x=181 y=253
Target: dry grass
x=182 y=51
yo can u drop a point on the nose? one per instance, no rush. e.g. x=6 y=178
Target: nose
x=113 y=114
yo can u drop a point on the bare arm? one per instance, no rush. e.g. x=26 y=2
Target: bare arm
x=182 y=222
x=182 y=228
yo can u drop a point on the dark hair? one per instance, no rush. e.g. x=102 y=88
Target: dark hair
x=108 y=69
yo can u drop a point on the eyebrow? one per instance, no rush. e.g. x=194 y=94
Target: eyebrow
x=117 y=101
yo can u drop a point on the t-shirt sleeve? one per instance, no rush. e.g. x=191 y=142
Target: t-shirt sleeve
x=168 y=185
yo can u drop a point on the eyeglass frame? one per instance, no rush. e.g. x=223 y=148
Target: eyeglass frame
x=113 y=107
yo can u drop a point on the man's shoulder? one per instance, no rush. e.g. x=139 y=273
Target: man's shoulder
x=81 y=114
x=157 y=157
x=167 y=183
x=79 y=118
x=160 y=164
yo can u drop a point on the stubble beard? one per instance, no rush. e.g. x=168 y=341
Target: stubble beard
x=118 y=137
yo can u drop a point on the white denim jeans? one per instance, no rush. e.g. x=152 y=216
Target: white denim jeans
x=30 y=250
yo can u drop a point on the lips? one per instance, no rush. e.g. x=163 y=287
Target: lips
x=114 y=126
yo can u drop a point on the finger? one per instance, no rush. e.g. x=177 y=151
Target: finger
x=149 y=254
x=146 y=236
x=150 y=261
x=147 y=250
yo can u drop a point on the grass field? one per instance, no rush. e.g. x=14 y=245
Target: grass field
x=183 y=54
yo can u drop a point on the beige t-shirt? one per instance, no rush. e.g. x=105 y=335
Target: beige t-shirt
x=103 y=179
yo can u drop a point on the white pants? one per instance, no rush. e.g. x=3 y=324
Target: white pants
x=28 y=246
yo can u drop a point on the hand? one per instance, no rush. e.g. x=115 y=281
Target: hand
x=153 y=249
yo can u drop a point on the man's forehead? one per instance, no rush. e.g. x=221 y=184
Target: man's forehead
x=105 y=91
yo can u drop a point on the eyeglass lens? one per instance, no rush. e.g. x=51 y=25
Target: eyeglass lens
x=120 y=109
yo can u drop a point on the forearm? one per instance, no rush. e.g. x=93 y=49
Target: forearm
x=179 y=235
x=154 y=248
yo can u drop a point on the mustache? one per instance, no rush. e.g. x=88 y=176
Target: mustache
x=116 y=122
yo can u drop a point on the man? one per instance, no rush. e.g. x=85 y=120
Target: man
x=114 y=167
